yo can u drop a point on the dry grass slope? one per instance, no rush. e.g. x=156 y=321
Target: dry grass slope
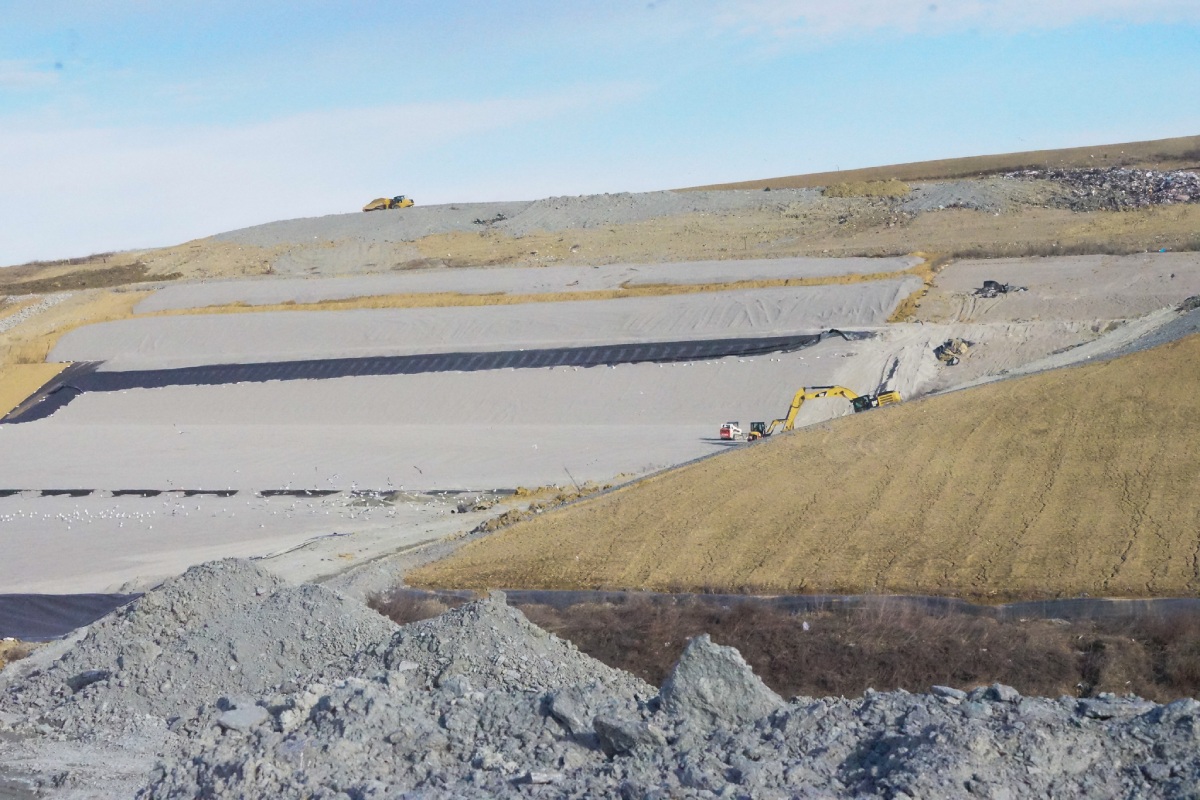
x=1070 y=482
x=1179 y=153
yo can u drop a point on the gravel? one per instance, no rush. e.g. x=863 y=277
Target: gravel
x=49 y=301
x=985 y=194
x=514 y=218
x=326 y=702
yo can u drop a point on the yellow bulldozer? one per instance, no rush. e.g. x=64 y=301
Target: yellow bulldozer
x=384 y=203
x=863 y=402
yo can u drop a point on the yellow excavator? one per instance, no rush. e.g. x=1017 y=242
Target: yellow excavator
x=860 y=402
x=384 y=203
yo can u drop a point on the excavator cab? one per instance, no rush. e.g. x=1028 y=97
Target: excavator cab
x=863 y=403
x=758 y=430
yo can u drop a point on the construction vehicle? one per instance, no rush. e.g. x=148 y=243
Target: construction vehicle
x=952 y=351
x=863 y=402
x=731 y=431
x=384 y=203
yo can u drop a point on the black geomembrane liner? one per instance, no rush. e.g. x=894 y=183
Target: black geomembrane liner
x=319 y=369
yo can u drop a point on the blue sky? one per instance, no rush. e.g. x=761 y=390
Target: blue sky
x=133 y=123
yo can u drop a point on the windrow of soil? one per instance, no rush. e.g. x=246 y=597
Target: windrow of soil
x=1071 y=482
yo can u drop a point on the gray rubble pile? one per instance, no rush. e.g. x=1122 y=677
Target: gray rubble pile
x=273 y=691
x=494 y=647
x=1118 y=189
x=226 y=626
x=715 y=732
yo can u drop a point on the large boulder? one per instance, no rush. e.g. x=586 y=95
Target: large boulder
x=714 y=685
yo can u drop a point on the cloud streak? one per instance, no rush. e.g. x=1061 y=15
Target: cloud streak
x=25 y=75
x=148 y=186
x=823 y=19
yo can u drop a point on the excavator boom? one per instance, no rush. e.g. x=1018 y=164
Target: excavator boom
x=864 y=402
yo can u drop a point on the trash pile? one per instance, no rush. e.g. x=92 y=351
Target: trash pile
x=952 y=351
x=996 y=288
x=1118 y=189
x=237 y=697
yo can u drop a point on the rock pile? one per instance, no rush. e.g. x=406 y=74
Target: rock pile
x=494 y=647
x=479 y=703
x=220 y=628
x=13 y=320
x=1119 y=189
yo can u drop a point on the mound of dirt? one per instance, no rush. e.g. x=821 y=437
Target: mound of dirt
x=479 y=703
x=495 y=648
x=222 y=627
x=1066 y=482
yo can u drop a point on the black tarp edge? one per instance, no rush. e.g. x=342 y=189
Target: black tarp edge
x=91 y=380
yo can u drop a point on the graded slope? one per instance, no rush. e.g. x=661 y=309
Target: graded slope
x=1074 y=481
x=1179 y=153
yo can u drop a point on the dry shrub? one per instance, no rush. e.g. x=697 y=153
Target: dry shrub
x=888 y=188
x=880 y=646
x=883 y=644
x=15 y=650
x=403 y=606
x=1082 y=247
x=120 y=275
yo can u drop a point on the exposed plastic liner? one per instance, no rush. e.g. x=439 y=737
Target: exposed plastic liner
x=317 y=369
x=39 y=617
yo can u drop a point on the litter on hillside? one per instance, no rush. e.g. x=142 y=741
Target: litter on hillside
x=951 y=351
x=995 y=289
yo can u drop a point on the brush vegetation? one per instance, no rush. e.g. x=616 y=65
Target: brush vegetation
x=888 y=188
x=885 y=645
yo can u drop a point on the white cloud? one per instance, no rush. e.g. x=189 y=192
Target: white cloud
x=25 y=75
x=837 y=18
x=69 y=192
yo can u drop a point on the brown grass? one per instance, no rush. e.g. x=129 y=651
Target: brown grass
x=11 y=308
x=834 y=227
x=886 y=644
x=15 y=650
x=1175 y=153
x=927 y=270
x=888 y=188
x=120 y=275
x=1059 y=484
x=19 y=382
x=32 y=341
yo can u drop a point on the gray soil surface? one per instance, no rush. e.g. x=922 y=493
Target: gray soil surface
x=225 y=683
x=515 y=218
x=985 y=194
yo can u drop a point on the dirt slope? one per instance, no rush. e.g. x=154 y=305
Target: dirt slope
x=1076 y=481
x=1179 y=153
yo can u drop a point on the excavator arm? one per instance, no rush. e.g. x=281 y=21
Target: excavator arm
x=788 y=421
x=812 y=393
